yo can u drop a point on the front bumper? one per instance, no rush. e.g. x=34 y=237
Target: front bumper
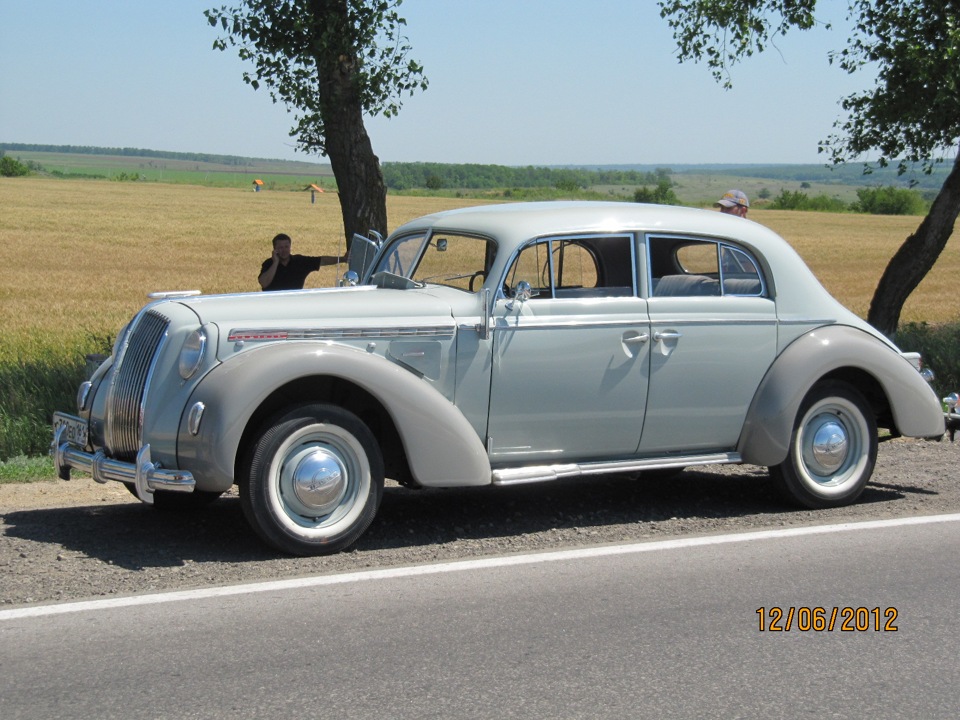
x=144 y=475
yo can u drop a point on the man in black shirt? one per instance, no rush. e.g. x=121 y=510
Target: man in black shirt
x=283 y=271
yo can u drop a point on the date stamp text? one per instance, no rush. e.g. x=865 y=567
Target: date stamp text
x=820 y=619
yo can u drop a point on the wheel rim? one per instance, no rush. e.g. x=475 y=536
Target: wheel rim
x=319 y=481
x=833 y=446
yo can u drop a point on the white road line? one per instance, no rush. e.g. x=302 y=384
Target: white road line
x=462 y=565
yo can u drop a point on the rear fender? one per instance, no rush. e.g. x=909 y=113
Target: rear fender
x=766 y=434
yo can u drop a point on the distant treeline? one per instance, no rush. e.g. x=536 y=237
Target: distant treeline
x=434 y=176
x=849 y=174
x=130 y=152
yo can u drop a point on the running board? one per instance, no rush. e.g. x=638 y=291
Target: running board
x=545 y=473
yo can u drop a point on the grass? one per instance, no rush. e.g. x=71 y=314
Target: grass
x=81 y=257
x=703 y=189
x=23 y=469
x=275 y=174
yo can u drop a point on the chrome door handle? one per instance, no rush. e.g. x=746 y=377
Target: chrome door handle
x=668 y=335
x=636 y=339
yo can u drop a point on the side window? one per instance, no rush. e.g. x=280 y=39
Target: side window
x=741 y=276
x=574 y=266
x=685 y=267
x=577 y=267
x=532 y=265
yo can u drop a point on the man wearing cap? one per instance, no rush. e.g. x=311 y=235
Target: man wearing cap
x=733 y=202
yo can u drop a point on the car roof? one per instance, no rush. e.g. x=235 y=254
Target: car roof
x=518 y=222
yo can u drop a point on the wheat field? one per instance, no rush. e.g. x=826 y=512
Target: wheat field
x=79 y=257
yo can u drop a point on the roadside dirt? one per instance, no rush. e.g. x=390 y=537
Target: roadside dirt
x=76 y=540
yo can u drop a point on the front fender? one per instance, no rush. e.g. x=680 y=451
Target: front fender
x=766 y=434
x=442 y=447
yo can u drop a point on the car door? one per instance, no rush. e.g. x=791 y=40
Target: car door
x=713 y=337
x=570 y=352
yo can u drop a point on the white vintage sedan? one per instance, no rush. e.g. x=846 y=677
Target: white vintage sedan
x=498 y=345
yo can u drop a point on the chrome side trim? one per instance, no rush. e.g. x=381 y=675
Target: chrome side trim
x=167 y=294
x=346 y=333
x=687 y=320
x=545 y=473
x=534 y=324
x=809 y=321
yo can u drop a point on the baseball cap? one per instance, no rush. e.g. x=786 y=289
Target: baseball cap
x=732 y=198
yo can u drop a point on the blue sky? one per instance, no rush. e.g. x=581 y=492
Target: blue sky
x=512 y=82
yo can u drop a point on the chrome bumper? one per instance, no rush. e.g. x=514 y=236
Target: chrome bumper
x=145 y=475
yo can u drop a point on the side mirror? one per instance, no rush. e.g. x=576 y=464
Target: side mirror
x=523 y=292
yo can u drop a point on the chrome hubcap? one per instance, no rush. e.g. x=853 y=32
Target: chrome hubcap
x=830 y=445
x=317 y=478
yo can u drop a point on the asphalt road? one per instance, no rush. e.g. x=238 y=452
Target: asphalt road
x=666 y=629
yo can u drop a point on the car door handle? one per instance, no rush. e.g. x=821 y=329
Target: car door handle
x=636 y=339
x=668 y=335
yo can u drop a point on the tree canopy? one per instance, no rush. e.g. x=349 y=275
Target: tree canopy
x=910 y=115
x=331 y=62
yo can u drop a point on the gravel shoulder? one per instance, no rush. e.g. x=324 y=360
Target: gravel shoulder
x=77 y=540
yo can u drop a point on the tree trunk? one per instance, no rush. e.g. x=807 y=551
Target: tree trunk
x=363 y=195
x=916 y=256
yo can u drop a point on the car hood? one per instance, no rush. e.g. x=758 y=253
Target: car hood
x=365 y=304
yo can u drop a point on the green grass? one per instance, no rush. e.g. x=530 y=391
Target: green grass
x=22 y=469
x=940 y=348
x=276 y=174
x=35 y=381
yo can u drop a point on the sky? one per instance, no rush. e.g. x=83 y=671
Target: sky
x=512 y=82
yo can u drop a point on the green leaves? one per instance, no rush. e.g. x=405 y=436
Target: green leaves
x=322 y=57
x=722 y=32
x=910 y=115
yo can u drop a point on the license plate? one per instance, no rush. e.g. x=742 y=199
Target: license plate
x=75 y=430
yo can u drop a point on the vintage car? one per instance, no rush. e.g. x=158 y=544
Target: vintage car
x=497 y=345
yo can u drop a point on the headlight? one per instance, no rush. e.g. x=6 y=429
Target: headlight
x=191 y=354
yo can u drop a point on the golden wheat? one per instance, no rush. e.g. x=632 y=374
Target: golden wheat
x=80 y=256
x=848 y=253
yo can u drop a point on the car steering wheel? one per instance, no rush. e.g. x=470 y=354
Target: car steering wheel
x=478 y=274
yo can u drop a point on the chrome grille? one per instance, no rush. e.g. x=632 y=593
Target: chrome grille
x=128 y=387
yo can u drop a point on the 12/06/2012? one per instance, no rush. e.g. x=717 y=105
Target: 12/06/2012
x=820 y=619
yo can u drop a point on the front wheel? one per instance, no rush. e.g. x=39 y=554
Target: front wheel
x=833 y=448
x=314 y=482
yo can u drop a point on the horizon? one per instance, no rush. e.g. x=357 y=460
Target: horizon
x=79 y=150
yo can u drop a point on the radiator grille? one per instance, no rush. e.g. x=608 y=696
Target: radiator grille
x=131 y=373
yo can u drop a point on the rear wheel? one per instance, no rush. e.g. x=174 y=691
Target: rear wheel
x=833 y=448
x=314 y=481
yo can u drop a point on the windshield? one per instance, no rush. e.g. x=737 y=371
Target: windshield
x=452 y=259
